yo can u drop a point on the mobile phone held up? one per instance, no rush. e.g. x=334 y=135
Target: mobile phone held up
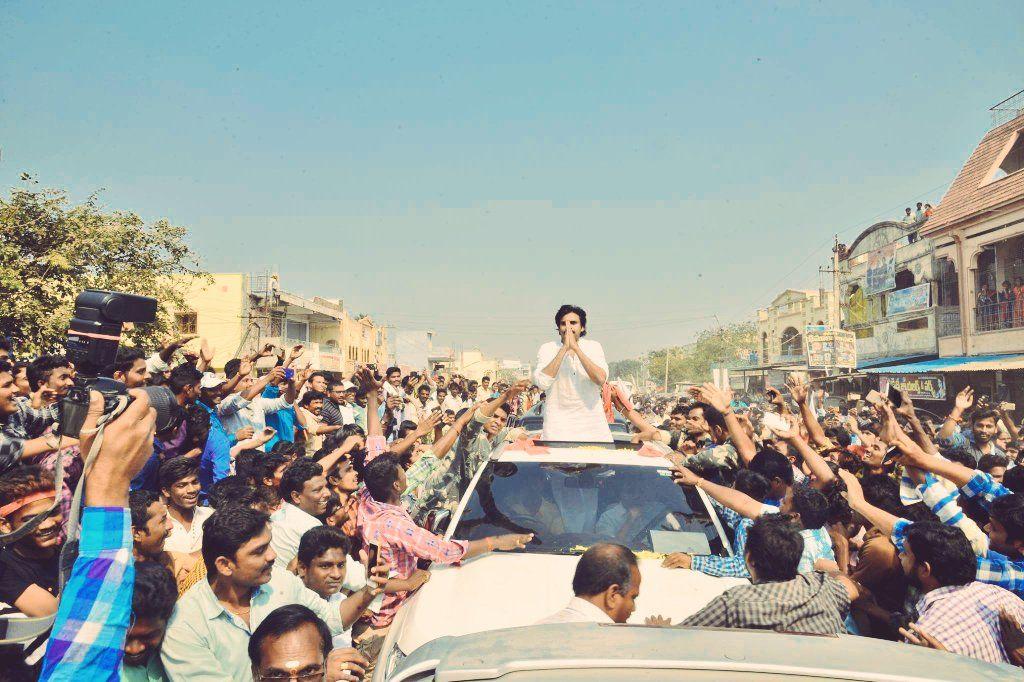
x=289 y=374
x=372 y=555
x=895 y=397
x=891 y=456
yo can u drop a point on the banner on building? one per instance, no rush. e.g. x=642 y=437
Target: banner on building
x=919 y=386
x=832 y=349
x=881 y=270
x=917 y=297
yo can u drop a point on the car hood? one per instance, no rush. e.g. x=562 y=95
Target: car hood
x=500 y=590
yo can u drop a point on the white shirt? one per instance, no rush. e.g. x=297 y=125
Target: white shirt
x=573 y=409
x=348 y=414
x=418 y=412
x=191 y=540
x=287 y=525
x=236 y=412
x=577 y=611
x=452 y=403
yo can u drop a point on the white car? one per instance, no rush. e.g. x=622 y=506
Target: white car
x=570 y=498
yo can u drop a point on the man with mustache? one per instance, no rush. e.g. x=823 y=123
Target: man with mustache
x=208 y=634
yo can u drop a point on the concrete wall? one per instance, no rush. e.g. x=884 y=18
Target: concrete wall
x=220 y=310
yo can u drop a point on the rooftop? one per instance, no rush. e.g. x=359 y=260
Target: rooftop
x=972 y=193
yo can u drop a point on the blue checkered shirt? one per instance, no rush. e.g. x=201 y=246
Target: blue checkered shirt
x=87 y=641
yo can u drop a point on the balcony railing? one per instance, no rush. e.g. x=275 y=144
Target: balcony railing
x=948 y=321
x=991 y=317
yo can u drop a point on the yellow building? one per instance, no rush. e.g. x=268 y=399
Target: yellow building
x=239 y=314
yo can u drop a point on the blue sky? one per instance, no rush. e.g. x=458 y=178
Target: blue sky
x=470 y=166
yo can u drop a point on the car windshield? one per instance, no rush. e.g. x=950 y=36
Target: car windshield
x=570 y=506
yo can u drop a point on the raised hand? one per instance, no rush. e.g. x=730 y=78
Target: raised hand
x=965 y=399
x=512 y=541
x=678 y=560
x=683 y=476
x=906 y=408
x=797 y=388
x=244 y=433
x=714 y=396
x=345 y=665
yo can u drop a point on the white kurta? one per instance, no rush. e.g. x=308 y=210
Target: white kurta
x=572 y=408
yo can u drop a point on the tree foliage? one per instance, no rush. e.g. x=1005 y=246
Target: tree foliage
x=693 y=363
x=50 y=250
x=624 y=369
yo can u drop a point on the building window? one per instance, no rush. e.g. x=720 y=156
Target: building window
x=792 y=342
x=186 y=323
x=911 y=325
x=904 y=279
x=864 y=333
x=1013 y=161
x=949 y=284
x=297 y=331
x=987 y=270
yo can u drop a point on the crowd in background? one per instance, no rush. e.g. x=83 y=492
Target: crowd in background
x=293 y=505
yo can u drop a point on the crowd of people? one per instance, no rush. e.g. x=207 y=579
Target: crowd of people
x=279 y=520
x=1001 y=309
x=918 y=214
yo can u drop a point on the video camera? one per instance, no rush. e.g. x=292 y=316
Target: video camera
x=93 y=338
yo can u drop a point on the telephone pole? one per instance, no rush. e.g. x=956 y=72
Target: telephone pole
x=834 y=321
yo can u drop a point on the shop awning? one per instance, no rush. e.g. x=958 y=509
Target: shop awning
x=894 y=360
x=972 y=363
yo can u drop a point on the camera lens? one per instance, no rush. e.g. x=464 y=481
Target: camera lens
x=168 y=413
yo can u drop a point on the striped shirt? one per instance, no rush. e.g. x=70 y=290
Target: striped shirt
x=965 y=618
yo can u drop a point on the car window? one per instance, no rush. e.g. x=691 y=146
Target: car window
x=570 y=506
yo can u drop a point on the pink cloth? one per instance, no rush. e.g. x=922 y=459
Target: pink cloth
x=401 y=544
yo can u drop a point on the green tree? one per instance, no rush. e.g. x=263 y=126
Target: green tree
x=624 y=369
x=693 y=363
x=50 y=250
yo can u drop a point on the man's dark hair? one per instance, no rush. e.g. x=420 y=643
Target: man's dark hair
x=139 y=502
x=234 y=489
x=960 y=456
x=771 y=464
x=405 y=428
x=680 y=410
x=294 y=478
x=231 y=367
x=566 y=309
x=1008 y=510
x=984 y=413
x=380 y=476
x=318 y=540
x=1013 y=480
x=310 y=396
x=6 y=344
x=392 y=370
x=989 y=462
x=175 y=469
x=752 y=484
x=334 y=383
x=227 y=530
x=839 y=435
x=155 y=591
x=946 y=549
x=318 y=373
x=774 y=547
x=126 y=357
x=183 y=375
x=40 y=369
x=811 y=504
x=603 y=565
x=485 y=378
x=711 y=415
x=22 y=481
x=882 y=491
x=249 y=464
x=281 y=621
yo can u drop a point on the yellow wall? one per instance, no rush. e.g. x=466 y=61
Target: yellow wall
x=220 y=310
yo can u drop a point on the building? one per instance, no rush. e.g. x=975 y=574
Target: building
x=780 y=337
x=239 y=313
x=978 y=235
x=889 y=289
x=414 y=348
x=474 y=365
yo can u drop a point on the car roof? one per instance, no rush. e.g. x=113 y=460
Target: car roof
x=571 y=646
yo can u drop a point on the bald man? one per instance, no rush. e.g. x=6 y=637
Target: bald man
x=606 y=585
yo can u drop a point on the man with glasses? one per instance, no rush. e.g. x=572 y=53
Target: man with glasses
x=293 y=643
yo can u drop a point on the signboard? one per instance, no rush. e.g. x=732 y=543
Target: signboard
x=916 y=297
x=881 y=270
x=831 y=349
x=815 y=328
x=919 y=386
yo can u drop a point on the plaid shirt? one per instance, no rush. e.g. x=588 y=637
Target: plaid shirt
x=24 y=424
x=817 y=545
x=402 y=543
x=993 y=567
x=92 y=618
x=965 y=618
x=813 y=603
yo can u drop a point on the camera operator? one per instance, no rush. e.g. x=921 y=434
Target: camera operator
x=88 y=635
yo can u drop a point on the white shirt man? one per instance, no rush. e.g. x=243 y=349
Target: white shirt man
x=287 y=525
x=578 y=611
x=191 y=540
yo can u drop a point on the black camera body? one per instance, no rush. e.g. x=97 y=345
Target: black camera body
x=94 y=335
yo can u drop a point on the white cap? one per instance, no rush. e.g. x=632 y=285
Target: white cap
x=348 y=386
x=211 y=380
